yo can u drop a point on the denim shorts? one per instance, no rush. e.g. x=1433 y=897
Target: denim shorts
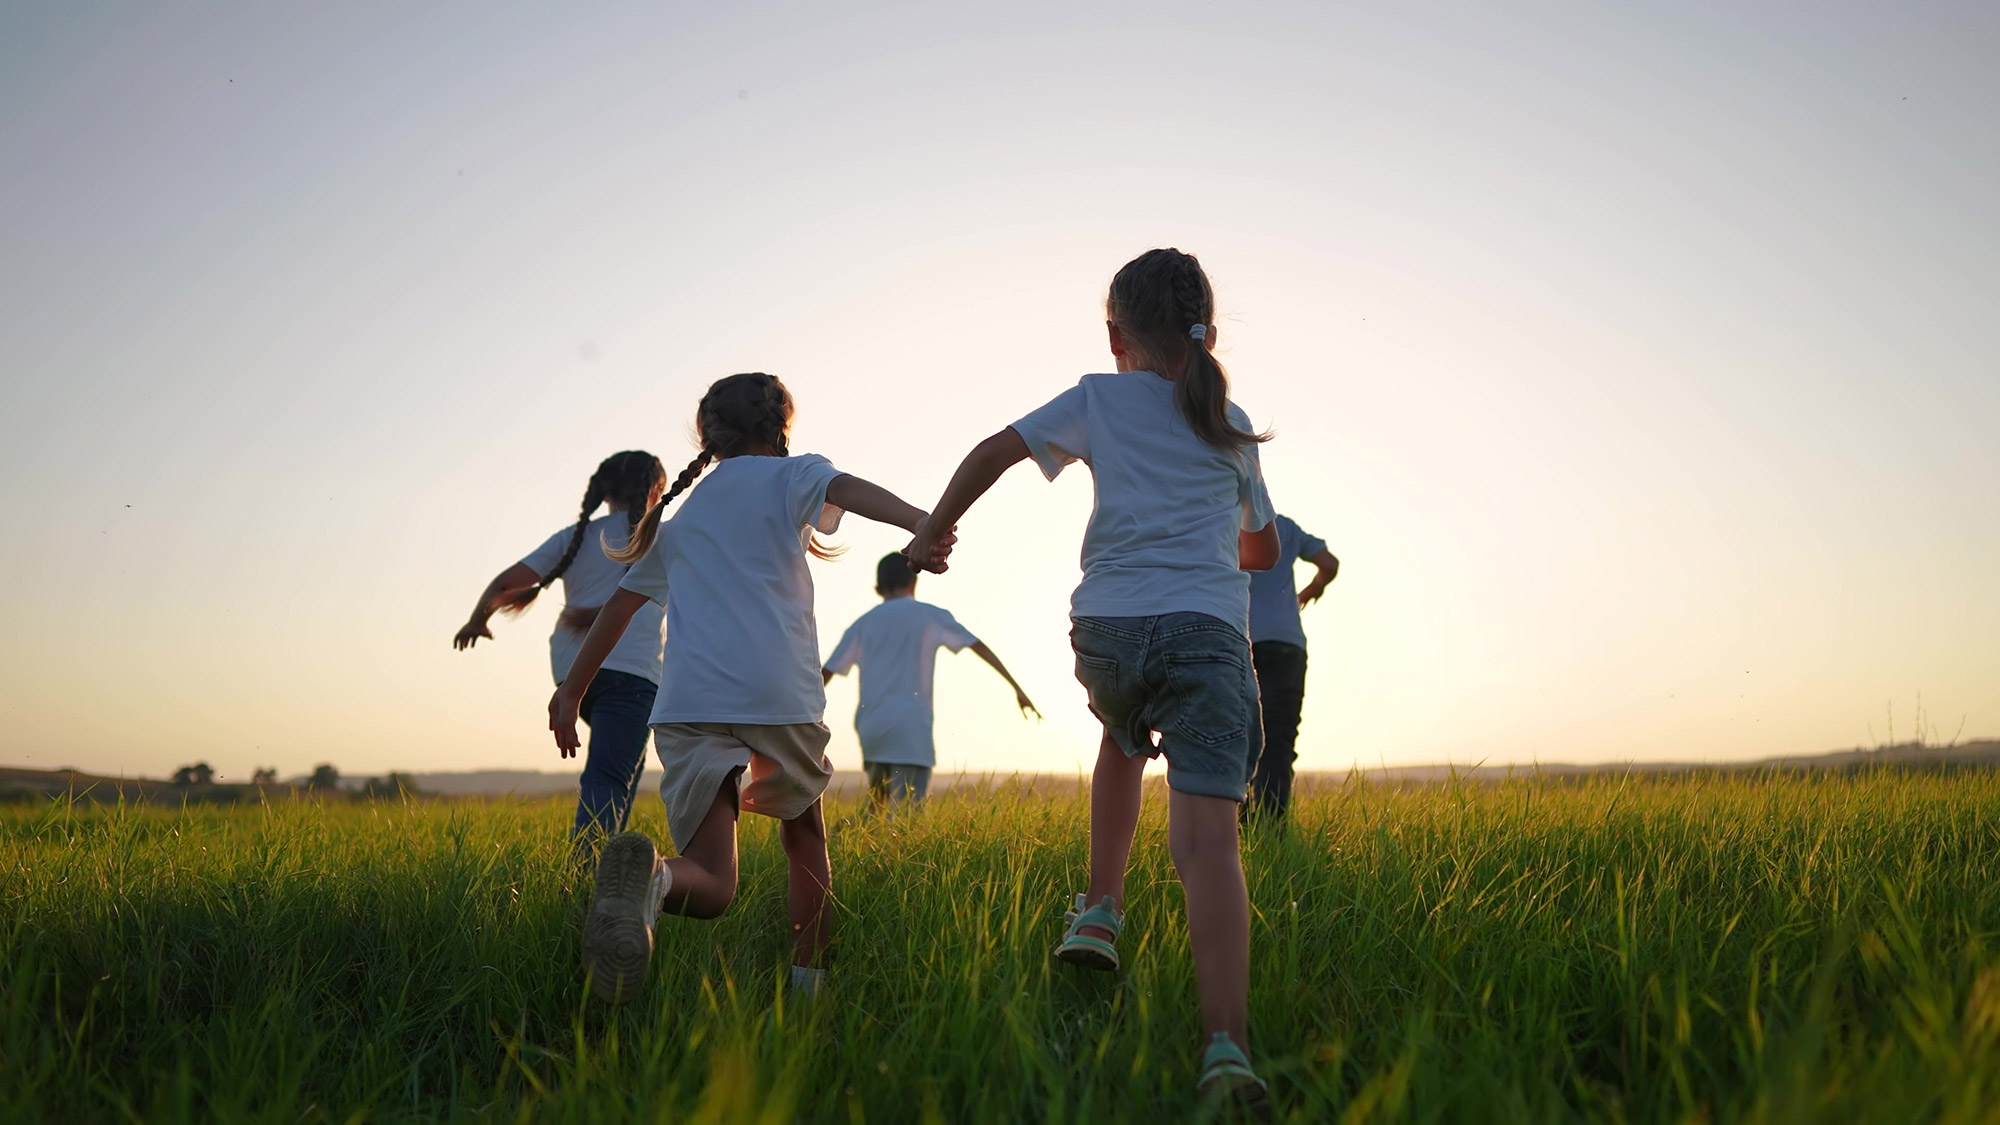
x=1187 y=676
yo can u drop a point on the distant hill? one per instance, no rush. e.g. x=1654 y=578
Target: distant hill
x=20 y=784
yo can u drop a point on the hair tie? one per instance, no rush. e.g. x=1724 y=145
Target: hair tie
x=1197 y=332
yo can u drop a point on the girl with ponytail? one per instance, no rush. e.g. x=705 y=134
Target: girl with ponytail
x=626 y=485
x=737 y=723
x=1160 y=623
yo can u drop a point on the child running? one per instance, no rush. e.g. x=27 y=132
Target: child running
x=1160 y=621
x=895 y=644
x=742 y=688
x=621 y=695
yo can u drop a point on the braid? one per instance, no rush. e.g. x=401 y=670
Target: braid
x=593 y=495
x=648 y=529
x=1156 y=300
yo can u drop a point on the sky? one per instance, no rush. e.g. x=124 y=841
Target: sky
x=1637 y=361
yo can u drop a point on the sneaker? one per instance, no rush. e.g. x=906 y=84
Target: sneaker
x=618 y=931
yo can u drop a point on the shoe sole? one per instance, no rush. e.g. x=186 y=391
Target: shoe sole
x=1085 y=957
x=1249 y=1098
x=617 y=942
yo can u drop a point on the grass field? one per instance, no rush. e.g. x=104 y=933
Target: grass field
x=1802 y=947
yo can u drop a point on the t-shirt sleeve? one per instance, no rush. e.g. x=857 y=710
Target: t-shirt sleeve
x=1309 y=544
x=544 y=558
x=648 y=576
x=951 y=634
x=1257 y=510
x=805 y=496
x=1057 y=432
x=847 y=653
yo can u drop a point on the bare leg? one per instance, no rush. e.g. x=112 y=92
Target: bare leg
x=705 y=875
x=809 y=879
x=1114 y=815
x=1201 y=832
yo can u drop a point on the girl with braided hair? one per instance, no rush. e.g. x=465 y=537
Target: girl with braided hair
x=737 y=724
x=626 y=485
x=1160 y=623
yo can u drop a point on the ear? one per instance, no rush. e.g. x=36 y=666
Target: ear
x=1117 y=338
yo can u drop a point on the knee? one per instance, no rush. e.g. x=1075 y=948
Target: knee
x=712 y=900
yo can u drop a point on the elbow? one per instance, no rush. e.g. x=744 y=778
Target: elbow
x=1258 y=550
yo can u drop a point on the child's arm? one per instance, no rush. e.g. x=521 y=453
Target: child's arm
x=1257 y=550
x=1329 y=569
x=1021 y=699
x=975 y=475
x=597 y=644
x=506 y=586
x=871 y=501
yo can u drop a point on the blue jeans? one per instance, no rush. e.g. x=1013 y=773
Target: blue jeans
x=618 y=707
x=1187 y=676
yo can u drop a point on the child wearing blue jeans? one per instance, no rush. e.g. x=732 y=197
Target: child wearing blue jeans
x=626 y=485
x=1159 y=624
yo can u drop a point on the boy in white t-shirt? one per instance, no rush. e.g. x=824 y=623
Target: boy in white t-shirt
x=895 y=645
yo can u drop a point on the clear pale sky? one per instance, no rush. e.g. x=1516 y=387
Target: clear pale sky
x=1639 y=362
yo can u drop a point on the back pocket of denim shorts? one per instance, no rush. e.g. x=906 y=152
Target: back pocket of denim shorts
x=1209 y=704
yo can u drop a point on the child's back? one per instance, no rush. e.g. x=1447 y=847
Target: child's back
x=895 y=645
x=731 y=567
x=1163 y=535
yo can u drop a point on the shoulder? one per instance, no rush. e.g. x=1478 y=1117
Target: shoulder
x=1240 y=418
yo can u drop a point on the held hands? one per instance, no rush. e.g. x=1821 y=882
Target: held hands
x=469 y=634
x=930 y=548
x=562 y=720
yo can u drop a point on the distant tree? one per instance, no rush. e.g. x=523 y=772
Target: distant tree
x=265 y=775
x=393 y=786
x=196 y=774
x=324 y=776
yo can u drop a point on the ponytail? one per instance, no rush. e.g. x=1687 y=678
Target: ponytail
x=648 y=529
x=1162 y=302
x=1202 y=396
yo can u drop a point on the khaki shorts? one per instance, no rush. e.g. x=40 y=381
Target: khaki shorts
x=788 y=770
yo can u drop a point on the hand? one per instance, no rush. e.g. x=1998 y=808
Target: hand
x=1026 y=705
x=930 y=548
x=1311 y=593
x=469 y=634
x=562 y=720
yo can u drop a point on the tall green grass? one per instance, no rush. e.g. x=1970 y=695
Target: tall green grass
x=1705 y=948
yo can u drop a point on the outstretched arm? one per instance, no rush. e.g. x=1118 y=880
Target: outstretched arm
x=1329 y=569
x=506 y=586
x=872 y=501
x=597 y=644
x=1021 y=699
x=975 y=475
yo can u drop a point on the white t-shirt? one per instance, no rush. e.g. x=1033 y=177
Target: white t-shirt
x=896 y=646
x=588 y=583
x=1162 y=537
x=730 y=566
